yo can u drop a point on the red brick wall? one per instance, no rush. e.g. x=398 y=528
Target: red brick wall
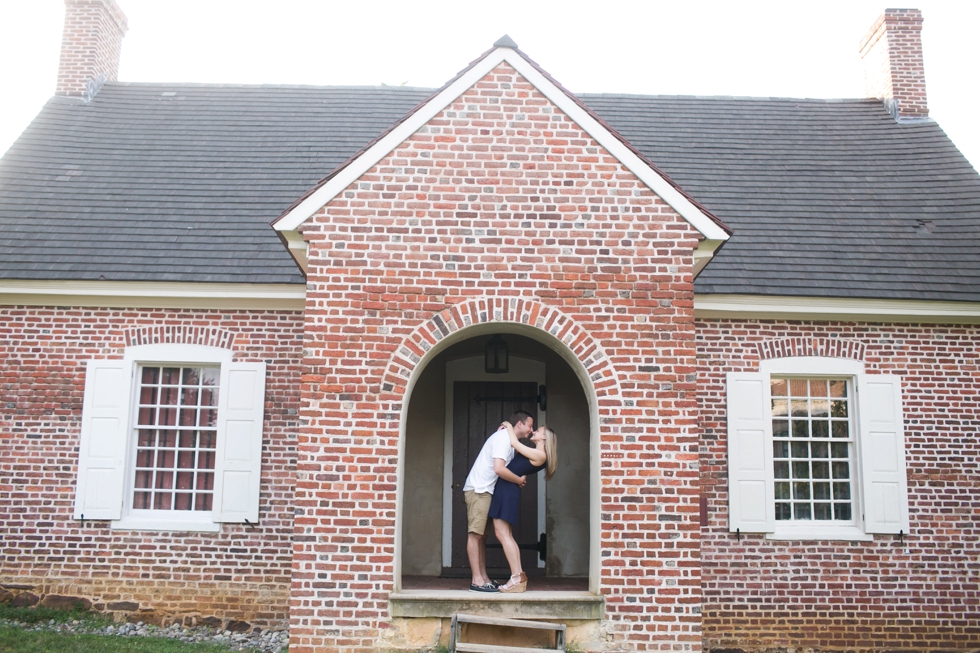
x=236 y=574
x=922 y=594
x=501 y=197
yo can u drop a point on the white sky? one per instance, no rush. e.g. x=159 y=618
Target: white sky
x=777 y=49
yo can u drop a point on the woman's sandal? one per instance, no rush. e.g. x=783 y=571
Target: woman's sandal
x=515 y=586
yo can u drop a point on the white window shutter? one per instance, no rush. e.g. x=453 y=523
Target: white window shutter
x=751 y=502
x=102 y=446
x=241 y=407
x=882 y=445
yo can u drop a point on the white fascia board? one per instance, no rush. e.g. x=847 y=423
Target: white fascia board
x=302 y=212
x=829 y=308
x=148 y=294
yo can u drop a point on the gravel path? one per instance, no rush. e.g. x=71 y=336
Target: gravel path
x=267 y=641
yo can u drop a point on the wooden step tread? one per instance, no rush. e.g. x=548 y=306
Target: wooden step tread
x=502 y=621
x=463 y=647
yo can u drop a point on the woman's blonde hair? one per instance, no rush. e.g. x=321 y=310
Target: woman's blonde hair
x=551 y=453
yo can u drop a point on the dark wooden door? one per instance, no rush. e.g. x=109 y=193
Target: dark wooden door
x=478 y=409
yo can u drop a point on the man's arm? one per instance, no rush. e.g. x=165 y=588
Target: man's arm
x=500 y=469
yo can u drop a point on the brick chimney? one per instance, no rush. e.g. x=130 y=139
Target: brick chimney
x=90 y=46
x=893 y=70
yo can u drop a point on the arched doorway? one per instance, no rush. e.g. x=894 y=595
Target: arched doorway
x=450 y=393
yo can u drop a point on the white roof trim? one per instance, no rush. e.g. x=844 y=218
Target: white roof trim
x=829 y=308
x=148 y=294
x=305 y=209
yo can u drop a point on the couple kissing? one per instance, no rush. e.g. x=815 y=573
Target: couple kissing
x=493 y=491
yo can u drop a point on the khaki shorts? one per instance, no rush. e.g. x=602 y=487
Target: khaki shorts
x=477 y=507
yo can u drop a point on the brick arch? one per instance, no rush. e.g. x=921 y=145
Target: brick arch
x=803 y=346
x=179 y=335
x=413 y=349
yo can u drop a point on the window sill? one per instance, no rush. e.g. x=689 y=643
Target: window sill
x=167 y=523
x=847 y=534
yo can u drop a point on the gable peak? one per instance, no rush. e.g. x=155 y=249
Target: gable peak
x=505 y=42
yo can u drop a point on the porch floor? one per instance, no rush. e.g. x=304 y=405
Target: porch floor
x=535 y=584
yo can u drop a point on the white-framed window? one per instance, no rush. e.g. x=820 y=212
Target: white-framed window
x=816 y=451
x=171 y=439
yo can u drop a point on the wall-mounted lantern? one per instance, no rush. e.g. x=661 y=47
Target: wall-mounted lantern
x=496 y=356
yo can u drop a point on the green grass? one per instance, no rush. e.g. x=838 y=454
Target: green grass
x=16 y=640
x=44 y=615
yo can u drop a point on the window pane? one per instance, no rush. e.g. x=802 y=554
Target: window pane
x=821 y=492
x=148 y=395
x=143 y=479
x=838 y=408
x=842 y=491
x=783 y=512
x=842 y=511
x=781 y=469
x=820 y=429
x=780 y=449
x=821 y=511
x=777 y=387
x=780 y=428
x=798 y=407
x=798 y=387
x=801 y=450
x=185 y=480
x=780 y=408
x=838 y=388
x=210 y=376
x=183 y=501
x=801 y=511
x=840 y=429
x=820 y=469
x=818 y=449
x=818 y=388
x=141 y=500
x=782 y=491
x=839 y=450
x=801 y=469
x=166 y=438
x=801 y=491
x=841 y=470
x=188 y=417
x=191 y=376
x=144 y=459
x=818 y=408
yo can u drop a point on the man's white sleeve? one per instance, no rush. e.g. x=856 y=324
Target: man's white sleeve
x=501 y=445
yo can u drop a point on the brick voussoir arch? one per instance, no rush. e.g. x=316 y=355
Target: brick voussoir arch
x=803 y=346
x=504 y=311
x=179 y=335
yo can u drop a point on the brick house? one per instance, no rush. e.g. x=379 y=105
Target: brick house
x=752 y=323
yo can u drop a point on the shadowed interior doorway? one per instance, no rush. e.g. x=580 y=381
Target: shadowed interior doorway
x=429 y=557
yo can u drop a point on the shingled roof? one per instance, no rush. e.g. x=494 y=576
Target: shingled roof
x=162 y=182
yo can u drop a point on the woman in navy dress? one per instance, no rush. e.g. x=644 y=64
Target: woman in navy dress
x=530 y=457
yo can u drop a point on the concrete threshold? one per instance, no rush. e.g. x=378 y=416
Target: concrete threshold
x=528 y=605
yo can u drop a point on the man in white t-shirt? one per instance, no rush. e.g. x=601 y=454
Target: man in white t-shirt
x=490 y=464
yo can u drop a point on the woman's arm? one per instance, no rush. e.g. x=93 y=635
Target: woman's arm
x=536 y=456
x=500 y=469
